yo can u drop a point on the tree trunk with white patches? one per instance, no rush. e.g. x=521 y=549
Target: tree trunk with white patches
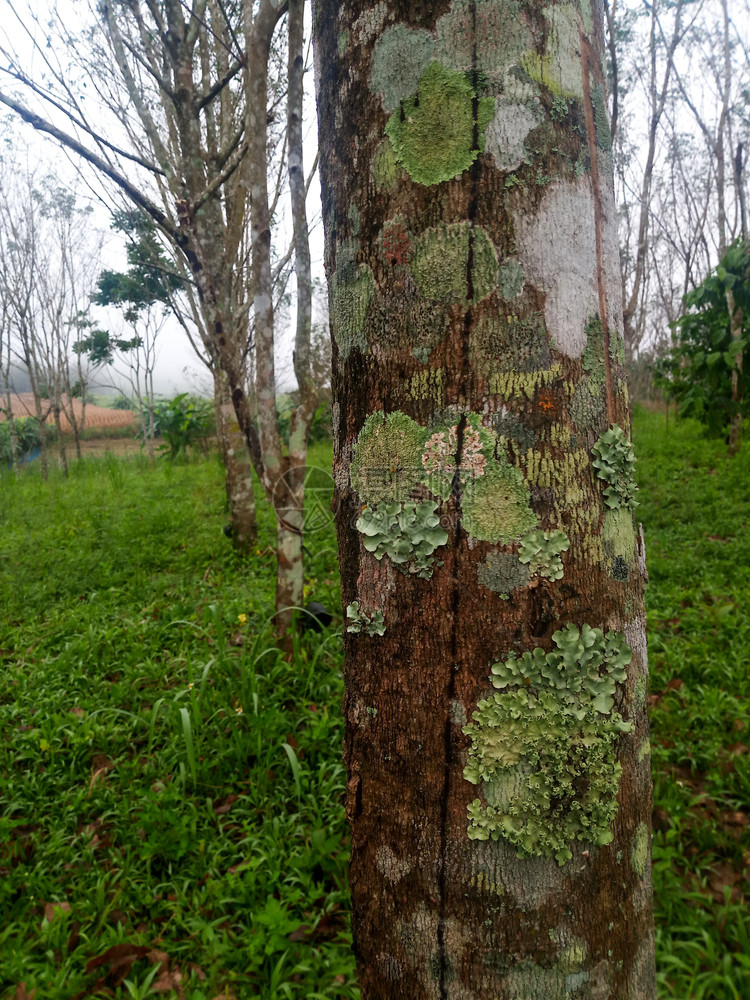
x=238 y=473
x=492 y=574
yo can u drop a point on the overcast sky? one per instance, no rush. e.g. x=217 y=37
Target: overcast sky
x=178 y=369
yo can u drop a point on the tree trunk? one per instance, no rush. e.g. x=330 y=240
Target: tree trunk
x=61 y=452
x=496 y=676
x=238 y=475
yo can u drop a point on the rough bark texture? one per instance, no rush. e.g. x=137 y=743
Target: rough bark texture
x=499 y=804
x=238 y=474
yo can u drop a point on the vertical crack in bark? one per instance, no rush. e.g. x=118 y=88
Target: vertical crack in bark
x=443 y=958
x=588 y=64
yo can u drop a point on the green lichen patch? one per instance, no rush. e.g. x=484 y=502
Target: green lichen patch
x=640 y=850
x=384 y=167
x=400 y=57
x=544 y=746
x=614 y=461
x=490 y=32
x=502 y=573
x=352 y=292
x=618 y=533
x=510 y=279
x=361 y=621
x=407 y=533
x=441 y=263
x=496 y=507
x=587 y=404
x=559 y=68
x=509 y=343
x=512 y=384
x=433 y=131
x=342 y=42
x=601 y=118
x=592 y=358
x=541 y=552
x=386 y=464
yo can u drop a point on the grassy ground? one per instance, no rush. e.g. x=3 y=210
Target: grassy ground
x=171 y=786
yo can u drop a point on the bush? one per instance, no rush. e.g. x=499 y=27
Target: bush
x=28 y=437
x=697 y=371
x=182 y=422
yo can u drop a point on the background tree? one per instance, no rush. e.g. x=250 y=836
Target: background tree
x=496 y=730
x=192 y=89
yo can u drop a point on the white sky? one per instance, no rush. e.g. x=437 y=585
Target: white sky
x=177 y=369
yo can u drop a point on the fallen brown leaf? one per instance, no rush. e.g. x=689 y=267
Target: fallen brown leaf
x=52 y=910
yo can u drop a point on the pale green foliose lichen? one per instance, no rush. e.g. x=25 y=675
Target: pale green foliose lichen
x=441 y=262
x=541 y=551
x=433 y=131
x=361 y=621
x=386 y=464
x=544 y=747
x=407 y=533
x=615 y=463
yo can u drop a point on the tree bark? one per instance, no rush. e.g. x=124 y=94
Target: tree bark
x=499 y=797
x=238 y=474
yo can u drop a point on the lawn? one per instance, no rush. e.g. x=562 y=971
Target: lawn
x=171 y=788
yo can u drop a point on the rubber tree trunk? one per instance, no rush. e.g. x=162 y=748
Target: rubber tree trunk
x=238 y=474
x=496 y=676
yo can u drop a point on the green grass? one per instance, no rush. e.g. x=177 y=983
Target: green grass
x=174 y=784
x=695 y=506
x=166 y=775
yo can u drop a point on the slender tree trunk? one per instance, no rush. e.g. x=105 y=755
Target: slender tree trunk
x=496 y=677
x=61 y=452
x=238 y=473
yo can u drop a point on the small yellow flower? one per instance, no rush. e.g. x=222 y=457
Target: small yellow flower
x=242 y=619
x=238 y=709
x=190 y=687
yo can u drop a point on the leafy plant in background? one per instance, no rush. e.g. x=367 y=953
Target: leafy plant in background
x=182 y=422
x=697 y=371
x=28 y=437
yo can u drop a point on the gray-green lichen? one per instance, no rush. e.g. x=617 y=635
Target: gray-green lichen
x=361 y=621
x=510 y=279
x=433 y=131
x=601 y=118
x=502 y=573
x=407 y=533
x=541 y=551
x=386 y=464
x=507 y=132
x=507 y=342
x=639 y=853
x=492 y=34
x=544 y=746
x=496 y=507
x=614 y=462
x=400 y=57
x=441 y=262
x=352 y=291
